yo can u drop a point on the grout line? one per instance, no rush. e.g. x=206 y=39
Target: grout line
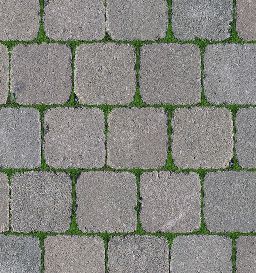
x=106 y=239
x=42 y=248
x=10 y=202
x=139 y=228
x=234 y=254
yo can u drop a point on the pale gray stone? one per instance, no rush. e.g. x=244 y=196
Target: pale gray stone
x=4 y=203
x=4 y=74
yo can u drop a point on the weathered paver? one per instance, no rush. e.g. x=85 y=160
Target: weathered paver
x=202 y=137
x=137 y=138
x=170 y=74
x=74 y=137
x=170 y=202
x=4 y=74
x=230 y=201
x=4 y=204
x=246 y=253
x=20 y=145
x=66 y=254
x=105 y=74
x=142 y=254
x=201 y=254
x=41 y=74
x=74 y=20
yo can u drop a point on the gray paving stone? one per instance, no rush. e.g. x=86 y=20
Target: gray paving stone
x=74 y=137
x=132 y=254
x=41 y=73
x=19 y=254
x=41 y=202
x=105 y=74
x=137 y=20
x=205 y=19
x=202 y=137
x=4 y=74
x=66 y=254
x=106 y=201
x=20 y=145
x=4 y=204
x=230 y=201
x=201 y=254
x=170 y=74
x=137 y=138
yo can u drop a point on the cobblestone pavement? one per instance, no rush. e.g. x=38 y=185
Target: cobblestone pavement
x=127 y=136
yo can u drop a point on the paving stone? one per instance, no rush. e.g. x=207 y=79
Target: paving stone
x=170 y=74
x=19 y=254
x=137 y=20
x=105 y=74
x=74 y=137
x=41 y=202
x=201 y=254
x=230 y=201
x=41 y=73
x=106 y=202
x=4 y=204
x=4 y=74
x=202 y=137
x=20 y=145
x=65 y=254
x=205 y=19
x=142 y=254
x=137 y=138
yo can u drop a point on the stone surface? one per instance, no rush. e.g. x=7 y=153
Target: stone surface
x=41 y=74
x=201 y=254
x=202 y=137
x=4 y=204
x=20 y=145
x=41 y=202
x=74 y=137
x=105 y=74
x=4 y=74
x=66 y=254
x=137 y=138
x=170 y=73
x=137 y=20
x=142 y=254
x=230 y=201
x=106 y=202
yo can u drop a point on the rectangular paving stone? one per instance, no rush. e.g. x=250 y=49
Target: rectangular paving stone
x=202 y=137
x=4 y=204
x=106 y=201
x=105 y=74
x=4 y=74
x=137 y=138
x=41 y=74
x=170 y=74
x=20 y=145
x=41 y=201
x=74 y=137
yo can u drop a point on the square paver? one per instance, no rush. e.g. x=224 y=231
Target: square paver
x=41 y=201
x=20 y=145
x=201 y=254
x=41 y=74
x=66 y=254
x=137 y=20
x=105 y=74
x=202 y=137
x=142 y=254
x=106 y=201
x=170 y=74
x=230 y=201
x=74 y=137
x=137 y=138
x=4 y=204
x=4 y=74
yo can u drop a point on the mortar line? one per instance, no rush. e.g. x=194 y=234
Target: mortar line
x=203 y=227
x=42 y=249
x=9 y=203
x=139 y=228
x=234 y=254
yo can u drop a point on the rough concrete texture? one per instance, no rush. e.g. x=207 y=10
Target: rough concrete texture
x=4 y=204
x=41 y=73
x=137 y=138
x=41 y=201
x=137 y=20
x=105 y=74
x=74 y=20
x=74 y=137
x=170 y=74
x=20 y=145
x=132 y=254
x=4 y=74
x=66 y=254
x=230 y=201
x=106 y=201
x=19 y=254
x=170 y=202
x=201 y=254
x=202 y=138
